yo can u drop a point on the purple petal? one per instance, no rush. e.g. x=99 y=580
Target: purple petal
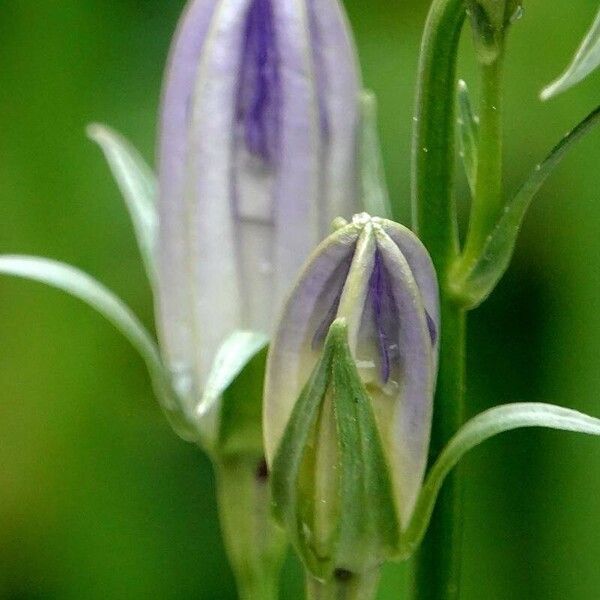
x=320 y=84
x=249 y=181
x=291 y=356
x=385 y=316
x=408 y=423
x=422 y=268
x=173 y=300
x=259 y=101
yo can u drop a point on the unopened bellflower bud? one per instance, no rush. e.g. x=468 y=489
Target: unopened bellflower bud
x=257 y=156
x=358 y=337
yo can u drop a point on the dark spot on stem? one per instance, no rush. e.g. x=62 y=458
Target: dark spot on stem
x=262 y=471
x=342 y=575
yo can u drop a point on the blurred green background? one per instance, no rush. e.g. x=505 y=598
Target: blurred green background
x=98 y=499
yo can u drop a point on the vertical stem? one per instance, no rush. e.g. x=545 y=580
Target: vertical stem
x=344 y=586
x=434 y=138
x=255 y=545
x=488 y=198
x=434 y=147
x=437 y=574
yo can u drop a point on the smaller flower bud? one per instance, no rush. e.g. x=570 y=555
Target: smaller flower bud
x=349 y=394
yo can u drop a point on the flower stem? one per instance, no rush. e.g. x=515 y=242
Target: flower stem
x=344 y=586
x=255 y=545
x=434 y=147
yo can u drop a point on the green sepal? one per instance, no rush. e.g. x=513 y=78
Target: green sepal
x=84 y=287
x=229 y=415
x=138 y=187
x=240 y=425
x=334 y=496
x=585 y=61
x=468 y=130
x=375 y=195
x=474 y=278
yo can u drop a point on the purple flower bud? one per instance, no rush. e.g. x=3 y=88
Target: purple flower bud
x=376 y=276
x=256 y=157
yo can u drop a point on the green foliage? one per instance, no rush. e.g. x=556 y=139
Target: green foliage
x=474 y=279
x=482 y=427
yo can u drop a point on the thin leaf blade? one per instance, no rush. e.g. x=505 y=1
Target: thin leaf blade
x=473 y=281
x=482 y=427
x=83 y=287
x=138 y=186
x=585 y=61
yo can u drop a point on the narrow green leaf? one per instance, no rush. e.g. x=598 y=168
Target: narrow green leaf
x=224 y=417
x=376 y=199
x=477 y=430
x=474 y=279
x=138 y=187
x=85 y=288
x=468 y=130
x=586 y=60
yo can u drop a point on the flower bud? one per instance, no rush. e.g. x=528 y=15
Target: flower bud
x=349 y=394
x=257 y=155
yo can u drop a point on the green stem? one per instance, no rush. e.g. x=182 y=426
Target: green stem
x=434 y=138
x=488 y=199
x=437 y=574
x=434 y=147
x=255 y=545
x=344 y=586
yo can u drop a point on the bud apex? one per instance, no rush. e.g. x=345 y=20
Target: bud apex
x=490 y=20
x=349 y=393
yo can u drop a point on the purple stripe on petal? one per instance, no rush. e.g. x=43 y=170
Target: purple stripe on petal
x=432 y=328
x=259 y=96
x=334 y=287
x=385 y=316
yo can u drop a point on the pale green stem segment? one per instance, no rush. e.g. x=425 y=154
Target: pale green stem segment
x=344 y=587
x=434 y=209
x=255 y=545
x=482 y=427
x=85 y=288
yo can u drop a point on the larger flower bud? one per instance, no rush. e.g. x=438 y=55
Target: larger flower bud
x=257 y=155
x=349 y=394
